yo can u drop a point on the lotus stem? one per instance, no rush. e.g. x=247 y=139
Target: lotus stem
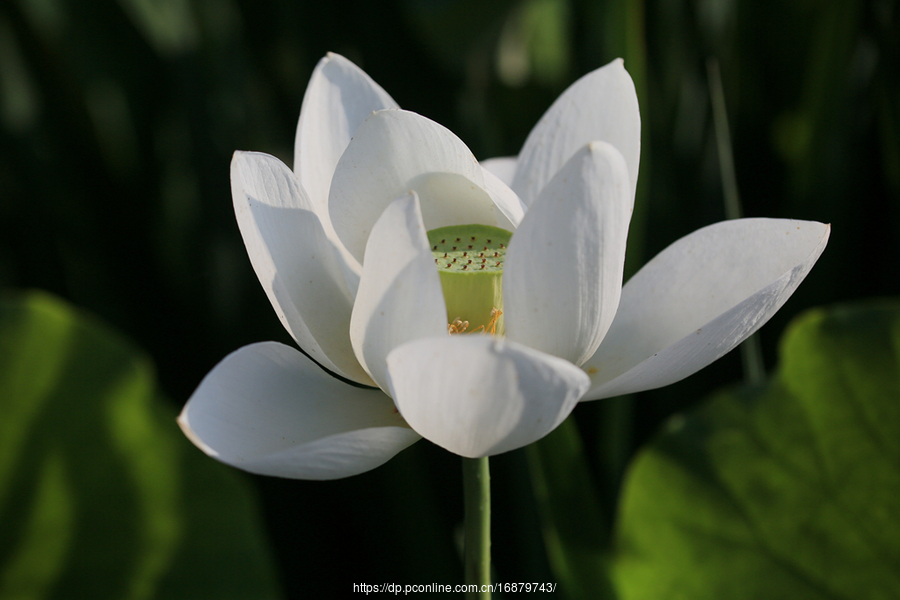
x=477 y=545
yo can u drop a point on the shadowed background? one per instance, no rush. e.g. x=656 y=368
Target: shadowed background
x=119 y=119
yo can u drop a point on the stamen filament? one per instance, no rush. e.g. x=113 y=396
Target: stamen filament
x=460 y=326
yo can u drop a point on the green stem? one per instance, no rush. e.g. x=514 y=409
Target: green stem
x=477 y=500
x=751 y=351
x=723 y=142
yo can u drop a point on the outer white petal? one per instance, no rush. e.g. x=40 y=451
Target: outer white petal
x=338 y=99
x=268 y=409
x=701 y=297
x=400 y=296
x=510 y=209
x=303 y=273
x=504 y=167
x=563 y=274
x=477 y=395
x=601 y=106
x=393 y=152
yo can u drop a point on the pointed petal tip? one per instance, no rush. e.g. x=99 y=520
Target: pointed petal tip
x=331 y=56
x=338 y=98
x=824 y=230
x=191 y=435
x=239 y=157
x=609 y=152
x=701 y=297
x=268 y=409
x=601 y=105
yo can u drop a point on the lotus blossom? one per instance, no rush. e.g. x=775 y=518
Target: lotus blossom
x=353 y=249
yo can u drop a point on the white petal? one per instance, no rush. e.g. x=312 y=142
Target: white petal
x=563 y=272
x=477 y=395
x=338 y=99
x=504 y=167
x=393 y=152
x=268 y=409
x=701 y=297
x=400 y=296
x=601 y=106
x=510 y=209
x=303 y=273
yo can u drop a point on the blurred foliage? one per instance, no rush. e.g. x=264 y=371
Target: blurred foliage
x=100 y=494
x=789 y=490
x=574 y=518
x=119 y=118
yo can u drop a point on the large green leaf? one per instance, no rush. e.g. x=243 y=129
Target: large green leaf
x=100 y=494
x=791 y=490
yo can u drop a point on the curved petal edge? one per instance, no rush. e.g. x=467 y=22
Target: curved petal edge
x=503 y=167
x=564 y=268
x=393 y=152
x=476 y=395
x=601 y=106
x=701 y=297
x=304 y=274
x=268 y=409
x=338 y=98
x=400 y=296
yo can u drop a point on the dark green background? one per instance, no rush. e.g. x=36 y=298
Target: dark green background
x=118 y=122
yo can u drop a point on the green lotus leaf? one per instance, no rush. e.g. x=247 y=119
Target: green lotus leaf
x=101 y=496
x=790 y=490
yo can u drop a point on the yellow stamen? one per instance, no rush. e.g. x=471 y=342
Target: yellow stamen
x=457 y=326
x=460 y=326
x=496 y=313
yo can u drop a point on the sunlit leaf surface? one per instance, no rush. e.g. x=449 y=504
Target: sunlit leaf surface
x=788 y=491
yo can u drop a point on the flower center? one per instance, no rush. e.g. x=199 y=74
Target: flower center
x=470 y=260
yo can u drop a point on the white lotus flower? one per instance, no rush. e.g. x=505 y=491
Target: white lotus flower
x=341 y=246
